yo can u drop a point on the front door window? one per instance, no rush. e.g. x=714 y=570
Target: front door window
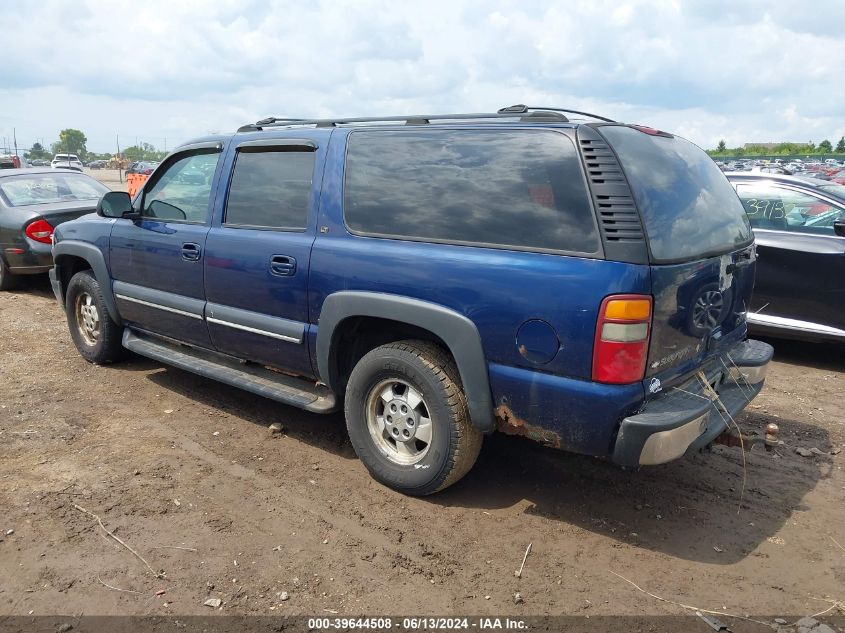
x=183 y=191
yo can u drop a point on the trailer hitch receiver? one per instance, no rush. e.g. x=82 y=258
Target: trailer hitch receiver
x=768 y=441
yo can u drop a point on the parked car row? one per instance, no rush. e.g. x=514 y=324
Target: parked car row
x=586 y=284
x=144 y=167
x=829 y=169
x=72 y=161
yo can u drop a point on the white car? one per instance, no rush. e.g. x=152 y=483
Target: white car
x=66 y=161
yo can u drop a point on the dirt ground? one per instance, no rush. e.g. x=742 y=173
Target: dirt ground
x=186 y=473
x=112 y=178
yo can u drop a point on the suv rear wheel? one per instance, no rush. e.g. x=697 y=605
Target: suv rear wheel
x=96 y=336
x=407 y=418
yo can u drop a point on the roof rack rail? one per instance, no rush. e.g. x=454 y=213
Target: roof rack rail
x=524 y=109
x=525 y=113
x=268 y=121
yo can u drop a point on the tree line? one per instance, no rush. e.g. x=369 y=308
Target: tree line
x=781 y=149
x=72 y=141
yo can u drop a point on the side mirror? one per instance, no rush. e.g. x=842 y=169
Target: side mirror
x=839 y=228
x=114 y=204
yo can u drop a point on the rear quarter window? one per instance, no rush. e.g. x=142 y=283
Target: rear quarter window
x=688 y=207
x=522 y=189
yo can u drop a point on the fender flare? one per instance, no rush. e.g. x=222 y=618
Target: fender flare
x=457 y=331
x=95 y=258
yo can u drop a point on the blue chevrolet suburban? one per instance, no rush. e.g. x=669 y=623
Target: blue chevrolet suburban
x=537 y=271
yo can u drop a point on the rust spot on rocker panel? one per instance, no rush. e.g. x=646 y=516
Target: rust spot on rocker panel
x=509 y=423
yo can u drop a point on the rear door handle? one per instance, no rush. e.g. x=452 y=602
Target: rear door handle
x=191 y=252
x=282 y=265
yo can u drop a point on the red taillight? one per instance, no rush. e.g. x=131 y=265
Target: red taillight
x=40 y=231
x=651 y=131
x=622 y=333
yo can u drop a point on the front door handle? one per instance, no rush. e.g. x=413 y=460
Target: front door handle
x=191 y=252
x=282 y=265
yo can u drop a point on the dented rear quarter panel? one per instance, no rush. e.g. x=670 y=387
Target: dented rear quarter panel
x=567 y=413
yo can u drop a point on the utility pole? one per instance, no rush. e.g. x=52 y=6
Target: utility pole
x=119 y=171
x=15 y=137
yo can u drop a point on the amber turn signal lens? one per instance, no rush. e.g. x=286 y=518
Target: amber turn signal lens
x=628 y=309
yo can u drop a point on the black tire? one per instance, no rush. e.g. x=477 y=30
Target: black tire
x=7 y=280
x=104 y=345
x=454 y=442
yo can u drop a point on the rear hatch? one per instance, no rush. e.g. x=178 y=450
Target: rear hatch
x=700 y=245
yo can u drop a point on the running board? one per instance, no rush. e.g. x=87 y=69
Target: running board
x=296 y=392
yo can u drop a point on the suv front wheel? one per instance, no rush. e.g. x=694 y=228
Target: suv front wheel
x=407 y=418
x=96 y=336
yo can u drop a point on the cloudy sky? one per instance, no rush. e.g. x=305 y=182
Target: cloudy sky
x=757 y=70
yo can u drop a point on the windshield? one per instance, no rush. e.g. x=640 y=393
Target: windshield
x=688 y=207
x=21 y=191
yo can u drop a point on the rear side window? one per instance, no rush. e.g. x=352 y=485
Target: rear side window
x=688 y=207
x=520 y=189
x=270 y=189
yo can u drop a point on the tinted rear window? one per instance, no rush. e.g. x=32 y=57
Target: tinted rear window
x=270 y=189
x=521 y=189
x=689 y=208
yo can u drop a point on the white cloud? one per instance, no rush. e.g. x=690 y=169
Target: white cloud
x=751 y=71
